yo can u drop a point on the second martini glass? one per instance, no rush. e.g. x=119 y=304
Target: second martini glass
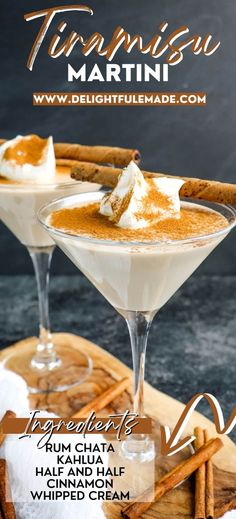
x=45 y=367
x=137 y=279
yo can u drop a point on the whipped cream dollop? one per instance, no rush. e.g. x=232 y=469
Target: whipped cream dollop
x=28 y=159
x=137 y=202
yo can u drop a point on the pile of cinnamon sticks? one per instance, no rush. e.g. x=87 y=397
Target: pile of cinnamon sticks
x=7 y=510
x=201 y=464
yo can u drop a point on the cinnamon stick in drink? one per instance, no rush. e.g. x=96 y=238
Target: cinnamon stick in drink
x=8 y=414
x=201 y=189
x=200 y=478
x=104 y=399
x=101 y=154
x=209 y=484
x=7 y=507
x=91 y=172
x=69 y=163
x=171 y=479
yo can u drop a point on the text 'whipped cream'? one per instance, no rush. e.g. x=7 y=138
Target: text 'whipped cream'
x=137 y=202
x=28 y=159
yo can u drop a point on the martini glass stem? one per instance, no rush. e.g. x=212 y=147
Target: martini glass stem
x=139 y=324
x=45 y=357
x=138 y=447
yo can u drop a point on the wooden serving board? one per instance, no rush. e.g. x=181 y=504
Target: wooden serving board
x=162 y=408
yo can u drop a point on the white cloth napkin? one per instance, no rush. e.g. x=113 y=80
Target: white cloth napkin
x=13 y=395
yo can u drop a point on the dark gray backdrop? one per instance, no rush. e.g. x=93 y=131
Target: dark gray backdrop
x=195 y=141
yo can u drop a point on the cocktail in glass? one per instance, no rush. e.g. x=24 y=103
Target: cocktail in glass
x=46 y=367
x=137 y=278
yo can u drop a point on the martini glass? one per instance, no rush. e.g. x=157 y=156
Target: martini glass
x=137 y=279
x=45 y=366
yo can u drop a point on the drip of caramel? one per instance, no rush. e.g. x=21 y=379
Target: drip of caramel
x=28 y=150
x=88 y=222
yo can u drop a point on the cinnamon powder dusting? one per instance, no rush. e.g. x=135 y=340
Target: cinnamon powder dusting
x=28 y=150
x=153 y=199
x=88 y=222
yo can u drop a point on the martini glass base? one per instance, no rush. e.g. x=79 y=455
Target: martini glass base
x=141 y=449
x=69 y=368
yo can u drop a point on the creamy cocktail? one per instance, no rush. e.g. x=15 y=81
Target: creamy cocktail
x=29 y=178
x=135 y=276
x=139 y=253
x=137 y=245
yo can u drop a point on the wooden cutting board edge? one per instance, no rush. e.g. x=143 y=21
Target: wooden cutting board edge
x=161 y=406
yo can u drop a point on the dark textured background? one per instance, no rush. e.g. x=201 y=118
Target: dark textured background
x=191 y=141
x=192 y=344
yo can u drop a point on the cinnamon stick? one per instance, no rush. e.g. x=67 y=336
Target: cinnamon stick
x=69 y=163
x=7 y=507
x=90 y=172
x=169 y=481
x=209 y=484
x=8 y=414
x=104 y=399
x=201 y=189
x=200 y=478
x=101 y=154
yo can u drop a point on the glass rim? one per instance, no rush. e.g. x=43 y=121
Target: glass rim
x=118 y=243
x=37 y=185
